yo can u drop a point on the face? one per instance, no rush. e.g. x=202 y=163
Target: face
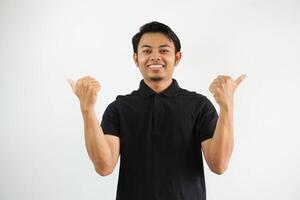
x=156 y=57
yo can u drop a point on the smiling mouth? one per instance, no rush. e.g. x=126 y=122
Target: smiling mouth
x=156 y=66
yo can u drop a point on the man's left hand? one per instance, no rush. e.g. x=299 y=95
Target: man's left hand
x=223 y=88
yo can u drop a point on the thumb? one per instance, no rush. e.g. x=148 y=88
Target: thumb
x=239 y=80
x=72 y=83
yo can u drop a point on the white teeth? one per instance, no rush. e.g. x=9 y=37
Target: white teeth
x=155 y=66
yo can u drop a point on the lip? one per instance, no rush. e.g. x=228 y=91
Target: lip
x=155 y=64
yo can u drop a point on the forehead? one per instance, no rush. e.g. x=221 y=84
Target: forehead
x=155 y=40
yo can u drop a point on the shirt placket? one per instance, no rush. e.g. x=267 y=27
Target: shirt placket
x=157 y=114
x=154 y=136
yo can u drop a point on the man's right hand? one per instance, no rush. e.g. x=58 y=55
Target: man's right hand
x=86 y=89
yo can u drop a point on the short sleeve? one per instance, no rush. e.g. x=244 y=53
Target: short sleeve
x=110 y=123
x=206 y=121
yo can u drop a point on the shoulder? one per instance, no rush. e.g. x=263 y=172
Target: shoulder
x=195 y=99
x=184 y=93
x=120 y=99
x=127 y=97
x=133 y=94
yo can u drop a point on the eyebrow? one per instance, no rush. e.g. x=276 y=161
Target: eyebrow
x=149 y=46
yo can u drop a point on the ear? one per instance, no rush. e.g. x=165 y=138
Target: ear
x=178 y=56
x=135 y=58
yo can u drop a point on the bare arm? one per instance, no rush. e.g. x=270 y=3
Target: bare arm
x=218 y=150
x=103 y=150
x=97 y=147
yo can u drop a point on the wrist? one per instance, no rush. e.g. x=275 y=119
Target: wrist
x=87 y=110
x=227 y=107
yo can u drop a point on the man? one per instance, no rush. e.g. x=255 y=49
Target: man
x=159 y=130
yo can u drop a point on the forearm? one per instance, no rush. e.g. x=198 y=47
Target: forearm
x=221 y=145
x=97 y=147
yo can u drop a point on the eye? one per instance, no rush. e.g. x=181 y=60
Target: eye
x=164 y=50
x=146 y=51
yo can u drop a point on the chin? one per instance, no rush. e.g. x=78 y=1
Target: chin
x=156 y=79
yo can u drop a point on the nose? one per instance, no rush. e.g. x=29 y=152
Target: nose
x=155 y=56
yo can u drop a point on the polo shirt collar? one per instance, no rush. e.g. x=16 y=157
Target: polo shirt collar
x=171 y=91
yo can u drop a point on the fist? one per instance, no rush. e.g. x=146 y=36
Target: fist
x=86 y=89
x=223 y=88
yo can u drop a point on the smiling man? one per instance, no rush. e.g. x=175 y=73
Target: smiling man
x=156 y=56
x=159 y=130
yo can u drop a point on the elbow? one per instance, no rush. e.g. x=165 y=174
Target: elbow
x=219 y=169
x=103 y=169
x=103 y=172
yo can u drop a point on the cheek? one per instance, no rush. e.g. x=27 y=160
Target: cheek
x=142 y=59
x=171 y=60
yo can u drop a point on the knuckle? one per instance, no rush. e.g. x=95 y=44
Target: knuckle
x=228 y=78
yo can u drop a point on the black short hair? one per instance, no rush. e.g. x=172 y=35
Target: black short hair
x=155 y=27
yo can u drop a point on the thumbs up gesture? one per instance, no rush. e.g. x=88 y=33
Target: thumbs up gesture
x=86 y=89
x=223 y=88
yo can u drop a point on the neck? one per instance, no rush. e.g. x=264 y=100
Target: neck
x=159 y=86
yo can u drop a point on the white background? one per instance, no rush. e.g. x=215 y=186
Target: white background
x=42 y=150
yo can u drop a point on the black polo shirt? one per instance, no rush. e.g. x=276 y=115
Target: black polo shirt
x=160 y=142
